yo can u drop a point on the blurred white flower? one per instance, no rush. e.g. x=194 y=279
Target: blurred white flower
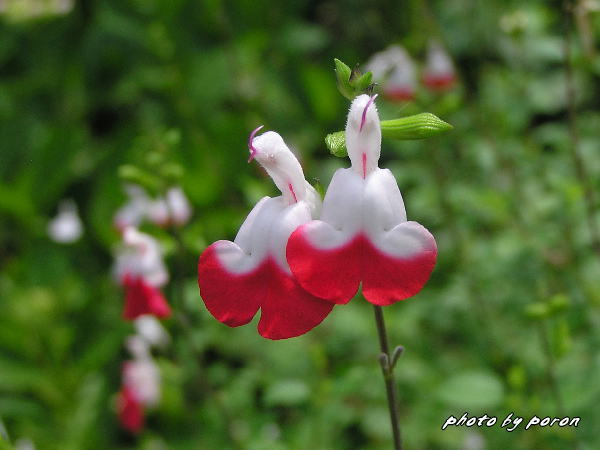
x=439 y=73
x=474 y=441
x=394 y=69
x=24 y=444
x=66 y=227
x=63 y=6
x=137 y=346
x=31 y=9
x=141 y=256
x=179 y=206
x=135 y=210
x=151 y=331
x=158 y=212
x=142 y=377
x=140 y=269
x=172 y=208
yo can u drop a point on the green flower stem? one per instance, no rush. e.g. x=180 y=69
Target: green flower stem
x=551 y=369
x=589 y=194
x=388 y=362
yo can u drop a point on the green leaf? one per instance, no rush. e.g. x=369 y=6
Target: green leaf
x=558 y=303
x=287 y=393
x=4 y=445
x=419 y=126
x=537 y=310
x=343 y=73
x=133 y=174
x=472 y=391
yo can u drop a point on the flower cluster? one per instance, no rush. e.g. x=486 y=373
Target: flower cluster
x=295 y=258
x=395 y=70
x=139 y=267
x=172 y=208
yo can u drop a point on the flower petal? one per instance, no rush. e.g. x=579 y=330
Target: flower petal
x=143 y=298
x=387 y=276
x=402 y=269
x=131 y=412
x=288 y=310
x=331 y=272
x=234 y=297
x=363 y=237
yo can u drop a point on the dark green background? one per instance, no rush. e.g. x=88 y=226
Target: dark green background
x=508 y=322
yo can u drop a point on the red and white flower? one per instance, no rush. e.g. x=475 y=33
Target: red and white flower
x=141 y=374
x=363 y=235
x=394 y=69
x=140 y=269
x=439 y=73
x=131 y=411
x=238 y=278
x=140 y=387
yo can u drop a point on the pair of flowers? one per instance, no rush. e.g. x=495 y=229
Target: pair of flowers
x=295 y=257
x=395 y=70
x=172 y=208
x=140 y=269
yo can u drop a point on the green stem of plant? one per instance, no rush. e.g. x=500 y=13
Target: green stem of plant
x=187 y=330
x=551 y=370
x=574 y=148
x=387 y=368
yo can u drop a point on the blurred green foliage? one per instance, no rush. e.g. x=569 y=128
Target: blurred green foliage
x=508 y=322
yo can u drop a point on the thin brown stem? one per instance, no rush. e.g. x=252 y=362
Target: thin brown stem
x=388 y=361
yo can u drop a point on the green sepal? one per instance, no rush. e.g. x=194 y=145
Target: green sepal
x=336 y=143
x=319 y=188
x=419 y=126
x=343 y=74
x=351 y=82
x=362 y=83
